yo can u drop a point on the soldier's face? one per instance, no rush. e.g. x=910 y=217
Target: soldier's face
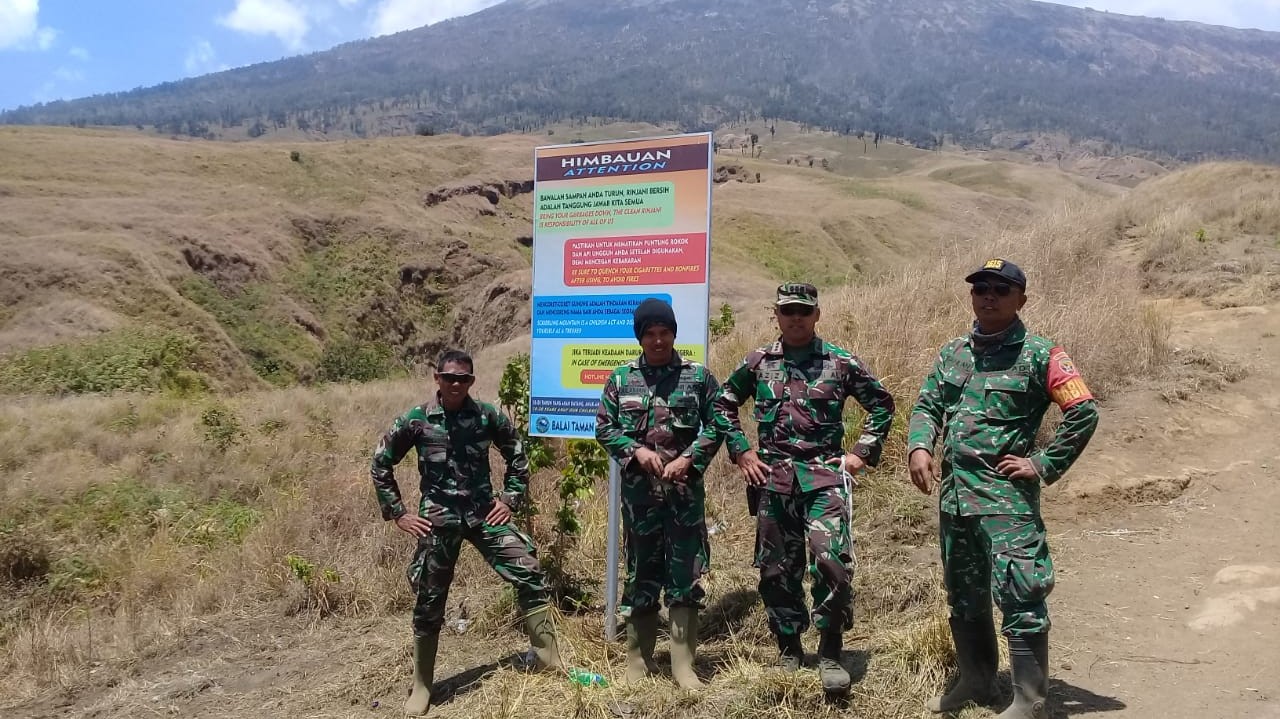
x=995 y=302
x=797 y=322
x=658 y=342
x=454 y=380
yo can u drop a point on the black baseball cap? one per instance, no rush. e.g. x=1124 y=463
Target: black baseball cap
x=1001 y=268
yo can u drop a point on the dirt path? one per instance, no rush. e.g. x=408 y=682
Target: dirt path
x=1168 y=600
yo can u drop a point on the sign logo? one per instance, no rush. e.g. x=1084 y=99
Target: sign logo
x=542 y=424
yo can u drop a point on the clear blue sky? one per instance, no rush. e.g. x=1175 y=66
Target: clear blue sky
x=52 y=49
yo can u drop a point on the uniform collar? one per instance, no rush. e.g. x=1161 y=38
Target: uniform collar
x=1014 y=334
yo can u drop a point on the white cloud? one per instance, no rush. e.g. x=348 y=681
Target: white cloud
x=395 y=15
x=201 y=58
x=68 y=74
x=348 y=3
x=20 y=26
x=79 y=53
x=281 y=18
x=45 y=37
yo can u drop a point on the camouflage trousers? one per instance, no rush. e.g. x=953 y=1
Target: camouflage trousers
x=1004 y=555
x=784 y=525
x=667 y=549
x=508 y=550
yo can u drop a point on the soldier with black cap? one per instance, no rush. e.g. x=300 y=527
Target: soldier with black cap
x=985 y=399
x=656 y=419
x=800 y=384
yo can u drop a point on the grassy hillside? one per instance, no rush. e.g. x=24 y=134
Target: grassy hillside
x=237 y=266
x=148 y=538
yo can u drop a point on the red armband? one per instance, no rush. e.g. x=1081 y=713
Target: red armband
x=1066 y=387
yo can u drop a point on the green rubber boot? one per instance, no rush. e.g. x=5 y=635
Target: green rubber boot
x=542 y=637
x=684 y=646
x=424 y=669
x=642 y=636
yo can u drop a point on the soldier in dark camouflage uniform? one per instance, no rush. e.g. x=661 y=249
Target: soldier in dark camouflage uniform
x=800 y=384
x=452 y=435
x=985 y=398
x=657 y=420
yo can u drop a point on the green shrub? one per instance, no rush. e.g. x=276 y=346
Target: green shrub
x=346 y=360
x=128 y=360
x=723 y=325
x=221 y=427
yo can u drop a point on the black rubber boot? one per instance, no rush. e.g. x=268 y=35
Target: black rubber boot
x=790 y=652
x=978 y=656
x=1029 y=666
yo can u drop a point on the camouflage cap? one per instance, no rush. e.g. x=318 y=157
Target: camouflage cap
x=1002 y=268
x=798 y=293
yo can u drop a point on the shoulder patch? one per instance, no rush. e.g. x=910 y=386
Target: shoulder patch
x=1066 y=386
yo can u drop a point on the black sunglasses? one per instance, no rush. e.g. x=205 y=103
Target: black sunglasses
x=793 y=309
x=1002 y=289
x=454 y=377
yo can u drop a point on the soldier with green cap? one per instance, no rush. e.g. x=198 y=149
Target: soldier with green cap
x=983 y=404
x=452 y=434
x=657 y=420
x=800 y=384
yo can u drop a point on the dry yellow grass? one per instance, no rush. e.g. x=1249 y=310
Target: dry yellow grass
x=138 y=514
x=171 y=542
x=1211 y=232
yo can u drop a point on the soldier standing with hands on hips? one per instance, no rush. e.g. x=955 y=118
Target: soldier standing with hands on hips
x=657 y=420
x=452 y=434
x=985 y=400
x=800 y=384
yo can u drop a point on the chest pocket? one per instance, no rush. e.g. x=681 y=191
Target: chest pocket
x=633 y=413
x=684 y=413
x=1006 y=398
x=433 y=451
x=826 y=401
x=771 y=385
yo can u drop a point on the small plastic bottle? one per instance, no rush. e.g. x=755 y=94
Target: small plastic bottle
x=588 y=679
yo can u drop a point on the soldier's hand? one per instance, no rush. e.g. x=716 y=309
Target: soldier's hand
x=499 y=515
x=923 y=472
x=649 y=461
x=677 y=470
x=853 y=464
x=413 y=524
x=754 y=471
x=1015 y=467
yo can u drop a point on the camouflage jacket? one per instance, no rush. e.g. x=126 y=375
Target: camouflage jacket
x=799 y=413
x=453 y=462
x=988 y=405
x=667 y=409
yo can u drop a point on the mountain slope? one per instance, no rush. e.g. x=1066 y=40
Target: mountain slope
x=970 y=69
x=319 y=261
